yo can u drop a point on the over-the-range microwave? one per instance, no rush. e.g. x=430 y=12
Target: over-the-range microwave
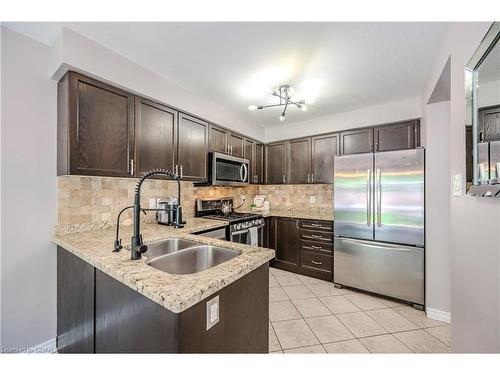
x=226 y=170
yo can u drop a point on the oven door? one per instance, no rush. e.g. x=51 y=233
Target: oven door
x=229 y=170
x=250 y=236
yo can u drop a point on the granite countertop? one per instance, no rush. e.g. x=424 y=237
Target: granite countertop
x=297 y=214
x=174 y=292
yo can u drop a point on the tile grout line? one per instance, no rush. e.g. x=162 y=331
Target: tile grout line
x=361 y=310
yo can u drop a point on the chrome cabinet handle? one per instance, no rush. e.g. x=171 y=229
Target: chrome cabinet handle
x=176 y=169
x=312 y=177
x=131 y=166
x=369 y=198
x=315 y=225
x=314 y=236
x=316 y=262
x=312 y=247
x=297 y=224
x=308 y=178
x=181 y=173
x=284 y=179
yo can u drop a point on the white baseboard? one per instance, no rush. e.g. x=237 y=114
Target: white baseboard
x=442 y=316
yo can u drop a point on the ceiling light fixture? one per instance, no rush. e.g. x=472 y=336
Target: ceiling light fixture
x=284 y=93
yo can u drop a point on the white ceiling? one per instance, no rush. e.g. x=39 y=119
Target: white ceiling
x=339 y=66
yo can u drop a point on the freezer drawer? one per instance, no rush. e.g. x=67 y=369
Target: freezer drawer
x=392 y=270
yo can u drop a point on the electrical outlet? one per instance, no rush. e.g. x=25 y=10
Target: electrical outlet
x=152 y=203
x=212 y=312
x=312 y=199
x=243 y=198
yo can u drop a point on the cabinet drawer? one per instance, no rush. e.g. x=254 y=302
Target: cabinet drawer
x=309 y=235
x=317 y=247
x=315 y=261
x=316 y=225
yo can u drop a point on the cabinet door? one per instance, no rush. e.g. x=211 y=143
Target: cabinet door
x=259 y=163
x=236 y=145
x=154 y=136
x=287 y=242
x=276 y=163
x=192 y=147
x=324 y=150
x=299 y=161
x=100 y=127
x=218 y=139
x=249 y=153
x=489 y=124
x=356 y=141
x=396 y=136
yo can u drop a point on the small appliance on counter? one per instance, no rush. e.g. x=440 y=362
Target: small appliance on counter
x=245 y=228
x=258 y=202
x=168 y=216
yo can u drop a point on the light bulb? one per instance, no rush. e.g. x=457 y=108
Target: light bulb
x=290 y=92
x=282 y=118
x=303 y=107
x=252 y=107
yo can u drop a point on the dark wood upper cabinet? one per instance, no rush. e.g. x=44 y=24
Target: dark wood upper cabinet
x=236 y=145
x=286 y=235
x=218 y=139
x=276 y=163
x=259 y=163
x=192 y=147
x=397 y=136
x=489 y=124
x=356 y=141
x=249 y=153
x=95 y=128
x=324 y=150
x=154 y=136
x=299 y=161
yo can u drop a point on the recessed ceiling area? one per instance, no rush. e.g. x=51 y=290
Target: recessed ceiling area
x=337 y=66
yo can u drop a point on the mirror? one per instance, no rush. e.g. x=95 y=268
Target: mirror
x=482 y=89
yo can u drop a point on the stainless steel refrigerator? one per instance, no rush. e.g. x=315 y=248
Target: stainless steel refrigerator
x=379 y=223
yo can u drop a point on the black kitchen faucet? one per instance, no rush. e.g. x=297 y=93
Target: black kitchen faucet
x=137 y=246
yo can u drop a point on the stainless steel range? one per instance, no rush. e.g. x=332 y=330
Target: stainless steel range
x=246 y=228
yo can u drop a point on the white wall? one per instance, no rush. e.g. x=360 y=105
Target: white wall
x=28 y=197
x=403 y=109
x=437 y=209
x=475 y=222
x=73 y=51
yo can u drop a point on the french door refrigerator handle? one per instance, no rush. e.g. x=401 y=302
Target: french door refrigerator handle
x=379 y=197
x=368 y=198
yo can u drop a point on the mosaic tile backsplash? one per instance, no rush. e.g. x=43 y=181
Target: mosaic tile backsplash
x=84 y=200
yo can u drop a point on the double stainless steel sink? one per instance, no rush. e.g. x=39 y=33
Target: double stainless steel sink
x=181 y=257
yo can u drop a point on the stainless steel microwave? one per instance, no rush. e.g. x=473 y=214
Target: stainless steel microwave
x=226 y=170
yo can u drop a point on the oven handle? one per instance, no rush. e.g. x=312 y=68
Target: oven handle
x=245 y=230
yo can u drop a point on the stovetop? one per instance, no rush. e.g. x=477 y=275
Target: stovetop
x=234 y=217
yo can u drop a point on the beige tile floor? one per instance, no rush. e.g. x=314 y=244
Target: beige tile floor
x=307 y=315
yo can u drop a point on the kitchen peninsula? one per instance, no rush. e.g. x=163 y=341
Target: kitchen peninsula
x=108 y=303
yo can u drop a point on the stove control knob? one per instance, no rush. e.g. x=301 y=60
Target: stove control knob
x=237 y=226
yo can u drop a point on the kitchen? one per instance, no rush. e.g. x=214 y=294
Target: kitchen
x=318 y=231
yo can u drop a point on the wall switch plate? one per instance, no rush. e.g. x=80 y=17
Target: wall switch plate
x=457 y=185
x=212 y=312
x=312 y=199
x=152 y=203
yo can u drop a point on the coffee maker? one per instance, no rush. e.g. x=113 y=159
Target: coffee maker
x=169 y=211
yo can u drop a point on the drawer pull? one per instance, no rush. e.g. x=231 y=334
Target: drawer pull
x=313 y=236
x=317 y=263
x=315 y=225
x=313 y=247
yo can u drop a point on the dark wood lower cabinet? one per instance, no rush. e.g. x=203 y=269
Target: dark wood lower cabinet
x=75 y=304
x=302 y=246
x=98 y=314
